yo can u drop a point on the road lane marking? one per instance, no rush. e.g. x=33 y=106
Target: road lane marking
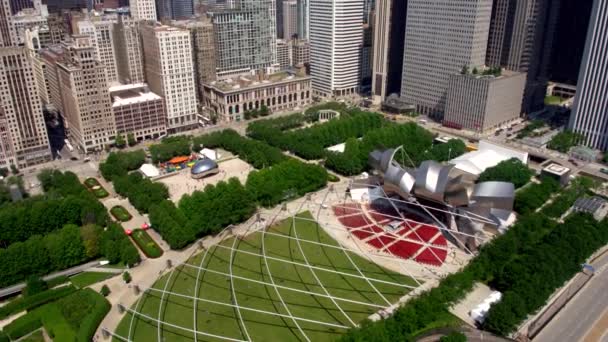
x=598 y=329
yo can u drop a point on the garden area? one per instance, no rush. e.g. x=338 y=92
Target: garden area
x=85 y=279
x=512 y=171
x=57 y=230
x=93 y=185
x=120 y=213
x=212 y=290
x=564 y=141
x=146 y=243
x=74 y=317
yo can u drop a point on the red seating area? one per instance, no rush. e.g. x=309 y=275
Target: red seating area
x=428 y=245
x=362 y=234
x=347 y=209
x=381 y=241
x=354 y=221
x=432 y=256
x=424 y=233
x=404 y=249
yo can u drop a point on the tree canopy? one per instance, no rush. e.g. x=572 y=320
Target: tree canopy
x=563 y=141
x=512 y=170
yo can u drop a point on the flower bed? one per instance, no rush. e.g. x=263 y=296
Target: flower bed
x=93 y=185
x=146 y=244
x=120 y=213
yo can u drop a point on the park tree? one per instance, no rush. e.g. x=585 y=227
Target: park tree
x=126 y=276
x=105 y=290
x=264 y=110
x=91 y=239
x=120 y=141
x=565 y=140
x=131 y=139
x=512 y=170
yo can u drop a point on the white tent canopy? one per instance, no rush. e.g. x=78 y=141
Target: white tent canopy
x=149 y=170
x=487 y=156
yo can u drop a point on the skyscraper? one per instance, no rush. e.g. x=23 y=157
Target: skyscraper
x=521 y=39
x=170 y=73
x=100 y=29
x=24 y=141
x=569 y=41
x=303 y=19
x=590 y=112
x=389 y=34
x=175 y=9
x=279 y=18
x=290 y=19
x=336 y=35
x=441 y=37
x=83 y=86
x=129 y=52
x=143 y=9
x=245 y=37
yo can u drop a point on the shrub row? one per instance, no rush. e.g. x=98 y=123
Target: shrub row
x=254 y=152
x=23 y=326
x=310 y=143
x=92 y=317
x=142 y=192
x=67 y=201
x=208 y=212
x=118 y=164
x=417 y=144
x=535 y=195
x=528 y=281
x=170 y=147
x=560 y=204
x=512 y=170
x=34 y=301
x=117 y=247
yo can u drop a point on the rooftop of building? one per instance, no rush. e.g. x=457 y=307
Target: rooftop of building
x=489 y=73
x=253 y=81
x=128 y=94
x=556 y=169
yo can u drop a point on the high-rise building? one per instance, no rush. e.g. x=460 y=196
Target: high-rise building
x=336 y=34
x=50 y=57
x=7 y=33
x=441 y=37
x=138 y=111
x=129 y=52
x=175 y=9
x=83 y=85
x=100 y=29
x=56 y=6
x=521 y=39
x=203 y=48
x=23 y=138
x=284 y=53
x=290 y=19
x=389 y=34
x=18 y=5
x=367 y=55
x=300 y=52
x=245 y=37
x=143 y=9
x=590 y=112
x=170 y=73
x=279 y=18
x=303 y=21
x=569 y=41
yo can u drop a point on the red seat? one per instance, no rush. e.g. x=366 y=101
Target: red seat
x=432 y=256
x=354 y=221
x=362 y=234
x=404 y=249
x=346 y=209
x=381 y=241
x=440 y=241
x=425 y=233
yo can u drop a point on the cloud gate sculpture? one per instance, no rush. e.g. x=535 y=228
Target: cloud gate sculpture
x=472 y=205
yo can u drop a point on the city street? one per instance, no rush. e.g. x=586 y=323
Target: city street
x=585 y=317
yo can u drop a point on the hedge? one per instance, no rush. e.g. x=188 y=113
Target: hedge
x=91 y=321
x=23 y=326
x=29 y=303
x=146 y=244
x=3 y=337
x=532 y=197
x=57 y=281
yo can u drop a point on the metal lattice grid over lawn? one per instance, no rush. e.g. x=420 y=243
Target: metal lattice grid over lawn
x=252 y=287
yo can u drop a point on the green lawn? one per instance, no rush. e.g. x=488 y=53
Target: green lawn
x=85 y=279
x=120 y=213
x=552 y=100
x=34 y=337
x=146 y=244
x=223 y=320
